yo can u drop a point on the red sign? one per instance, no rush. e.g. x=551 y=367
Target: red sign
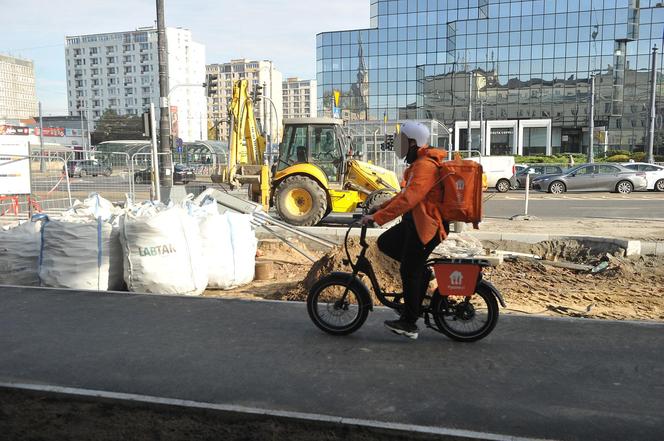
x=174 y=121
x=51 y=131
x=14 y=130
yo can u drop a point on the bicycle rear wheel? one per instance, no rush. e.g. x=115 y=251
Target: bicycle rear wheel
x=338 y=304
x=466 y=319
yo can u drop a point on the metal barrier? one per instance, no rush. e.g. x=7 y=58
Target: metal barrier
x=107 y=174
x=204 y=167
x=141 y=184
x=387 y=159
x=50 y=188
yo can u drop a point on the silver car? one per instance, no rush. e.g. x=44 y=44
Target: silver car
x=519 y=179
x=593 y=177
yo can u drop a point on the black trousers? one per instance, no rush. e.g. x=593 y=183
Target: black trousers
x=402 y=244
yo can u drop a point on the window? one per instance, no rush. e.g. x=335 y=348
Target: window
x=584 y=171
x=325 y=151
x=295 y=147
x=608 y=169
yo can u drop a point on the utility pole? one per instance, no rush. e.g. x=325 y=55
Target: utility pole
x=470 y=110
x=591 y=122
x=164 y=129
x=41 y=140
x=653 y=90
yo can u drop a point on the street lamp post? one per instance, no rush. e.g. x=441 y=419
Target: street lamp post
x=276 y=117
x=653 y=91
x=591 y=122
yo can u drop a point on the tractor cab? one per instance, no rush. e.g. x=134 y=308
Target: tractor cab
x=320 y=142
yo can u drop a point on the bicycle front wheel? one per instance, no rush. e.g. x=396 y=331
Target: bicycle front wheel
x=466 y=319
x=338 y=304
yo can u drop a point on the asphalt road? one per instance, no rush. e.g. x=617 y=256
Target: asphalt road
x=640 y=205
x=532 y=377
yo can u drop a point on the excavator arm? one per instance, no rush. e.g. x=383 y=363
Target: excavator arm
x=247 y=144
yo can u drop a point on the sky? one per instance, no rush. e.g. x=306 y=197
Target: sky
x=283 y=31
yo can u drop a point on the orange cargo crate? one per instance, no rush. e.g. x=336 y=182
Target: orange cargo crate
x=456 y=279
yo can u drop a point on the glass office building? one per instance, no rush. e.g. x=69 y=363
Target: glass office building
x=524 y=65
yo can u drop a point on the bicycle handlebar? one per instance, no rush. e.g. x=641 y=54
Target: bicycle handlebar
x=363 y=237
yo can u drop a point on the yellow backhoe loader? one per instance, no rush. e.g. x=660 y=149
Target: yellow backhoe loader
x=315 y=172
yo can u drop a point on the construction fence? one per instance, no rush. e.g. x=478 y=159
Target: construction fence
x=56 y=181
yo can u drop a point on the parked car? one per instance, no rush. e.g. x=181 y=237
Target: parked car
x=497 y=169
x=654 y=174
x=593 y=177
x=519 y=167
x=181 y=175
x=519 y=179
x=86 y=167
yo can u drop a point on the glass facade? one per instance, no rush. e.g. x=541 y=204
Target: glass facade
x=526 y=63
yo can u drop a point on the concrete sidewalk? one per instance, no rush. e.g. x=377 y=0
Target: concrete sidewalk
x=632 y=247
x=533 y=377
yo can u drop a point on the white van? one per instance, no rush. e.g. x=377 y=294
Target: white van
x=498 y=169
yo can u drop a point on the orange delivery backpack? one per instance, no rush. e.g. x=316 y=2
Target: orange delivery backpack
x=461 y=180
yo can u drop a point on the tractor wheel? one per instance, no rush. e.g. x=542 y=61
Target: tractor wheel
x=300 y=201
x=376 y=199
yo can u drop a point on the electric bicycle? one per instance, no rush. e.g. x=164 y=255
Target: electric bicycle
x=464 y=306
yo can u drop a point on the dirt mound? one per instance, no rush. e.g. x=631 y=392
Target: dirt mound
x=631 y=288
x=386 y=269
x=569 y=250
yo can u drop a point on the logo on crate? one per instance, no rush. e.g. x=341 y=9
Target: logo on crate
x=160 y=250
x=456 y=279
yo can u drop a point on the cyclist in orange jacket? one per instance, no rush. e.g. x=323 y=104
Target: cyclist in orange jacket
x=422 y=227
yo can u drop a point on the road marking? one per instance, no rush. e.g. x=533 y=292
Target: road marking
x=310 y=417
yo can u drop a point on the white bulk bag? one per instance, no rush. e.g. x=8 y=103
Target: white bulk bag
x=245 y=244
x=163 y=253
x=218 y=251
x=81 y=255
x=229 y=245
x=19 y=254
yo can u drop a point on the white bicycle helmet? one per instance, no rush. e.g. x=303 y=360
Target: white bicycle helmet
x=415 y=131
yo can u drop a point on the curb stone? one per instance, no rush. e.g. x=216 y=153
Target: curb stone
x=631 y=247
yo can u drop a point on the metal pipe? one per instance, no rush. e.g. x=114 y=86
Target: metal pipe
x=266 y=218
x=155 y=155
x=41 y=141
x=287 y=242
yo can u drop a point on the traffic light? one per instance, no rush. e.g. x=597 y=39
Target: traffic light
x=257 y=93
x=147 y=125
x=389 y=142
x=210 y=82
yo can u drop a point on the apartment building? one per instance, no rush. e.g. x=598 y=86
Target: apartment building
x=18 y=98
x=120 y=71
x=299 y=98
x=221 y=78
